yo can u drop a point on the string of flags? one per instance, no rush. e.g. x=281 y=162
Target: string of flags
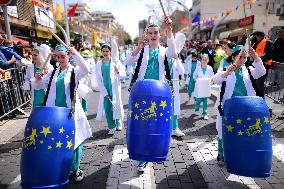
x=242 y=5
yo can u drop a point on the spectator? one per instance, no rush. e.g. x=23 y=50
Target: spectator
x=279 y=47
x=4 y=62
x=264 y=49
x=210 y=51
x=220 y=54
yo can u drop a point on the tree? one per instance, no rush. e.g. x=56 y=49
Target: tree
x=127 y=38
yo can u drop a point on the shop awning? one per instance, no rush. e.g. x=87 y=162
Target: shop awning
x=232 y=33
x=24 y=43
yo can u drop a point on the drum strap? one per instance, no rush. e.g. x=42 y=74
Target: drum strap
x=136 y=72
x=137 y=69
x=223 y=87
x=72 y=93
x=48 y=87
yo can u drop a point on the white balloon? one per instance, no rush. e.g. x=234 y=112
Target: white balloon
x=179 y=41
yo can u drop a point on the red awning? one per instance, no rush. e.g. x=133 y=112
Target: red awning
x=15 y=39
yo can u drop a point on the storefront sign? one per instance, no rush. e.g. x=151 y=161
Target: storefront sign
x=246 y=21
x=42 y=19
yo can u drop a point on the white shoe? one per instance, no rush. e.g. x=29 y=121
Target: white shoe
x=177 y=132
x=79 y=175
x=141 y=167
x=119 y=126
x=206 y=117
x=111 y=131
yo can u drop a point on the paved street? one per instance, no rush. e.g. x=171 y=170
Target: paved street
x=191 y=161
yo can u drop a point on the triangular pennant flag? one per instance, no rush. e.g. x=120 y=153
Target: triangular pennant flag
x=72 y=11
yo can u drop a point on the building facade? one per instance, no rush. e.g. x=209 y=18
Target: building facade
x=263 y=15
x=28 y=22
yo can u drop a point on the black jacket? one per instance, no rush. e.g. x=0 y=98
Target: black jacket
x=279 y=50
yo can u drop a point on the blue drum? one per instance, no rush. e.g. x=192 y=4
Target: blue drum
x=149 y=121
x=247 y=137
x=48 y=148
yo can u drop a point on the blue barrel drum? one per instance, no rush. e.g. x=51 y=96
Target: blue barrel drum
x=48 y=148
x=149 y=121
x=247 y=137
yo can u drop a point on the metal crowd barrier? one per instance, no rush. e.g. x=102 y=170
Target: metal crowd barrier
x=274 y=85
x=12 y=97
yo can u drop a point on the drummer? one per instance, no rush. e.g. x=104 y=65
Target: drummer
x=151 y=65
x=60 y=95
x=204 y=72
x=236 y=80
x=108 y=79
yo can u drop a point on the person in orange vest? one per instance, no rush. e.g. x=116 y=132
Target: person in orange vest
x=264 y=49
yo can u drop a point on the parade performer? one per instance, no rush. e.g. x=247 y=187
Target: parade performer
x=108 y=80
x=151 y=57
x=176 y=70
x=237 y=80
x=191 y=66
x=39 y=56
x=61 y=84
x=203 y=71
x=225 y=63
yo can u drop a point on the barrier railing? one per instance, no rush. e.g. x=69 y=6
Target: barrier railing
x=274 y=85
x=12 y=97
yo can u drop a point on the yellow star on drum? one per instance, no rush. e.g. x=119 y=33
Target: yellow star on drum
x=61 y=130
x=58 y=144
x=266 y=120
x=144 y=102
x=136 y=105
x=161 y=114
x=240 y=133
x=136 y=117
x=49 y=147
x=69 y=144
x=239 y=121
x=45 y=131
x=230 y=128
x=163 y=104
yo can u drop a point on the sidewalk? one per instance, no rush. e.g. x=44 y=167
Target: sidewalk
x=191 y=161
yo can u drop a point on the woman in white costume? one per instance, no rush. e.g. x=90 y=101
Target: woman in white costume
x=238 y=82
x=60 y=86
x=108 y=80
x=39 y=56
x=203 y=71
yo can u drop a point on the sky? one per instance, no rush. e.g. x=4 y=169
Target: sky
x=129 y=12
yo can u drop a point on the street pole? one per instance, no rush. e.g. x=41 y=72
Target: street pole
x=67 y=23
x=7 y=24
